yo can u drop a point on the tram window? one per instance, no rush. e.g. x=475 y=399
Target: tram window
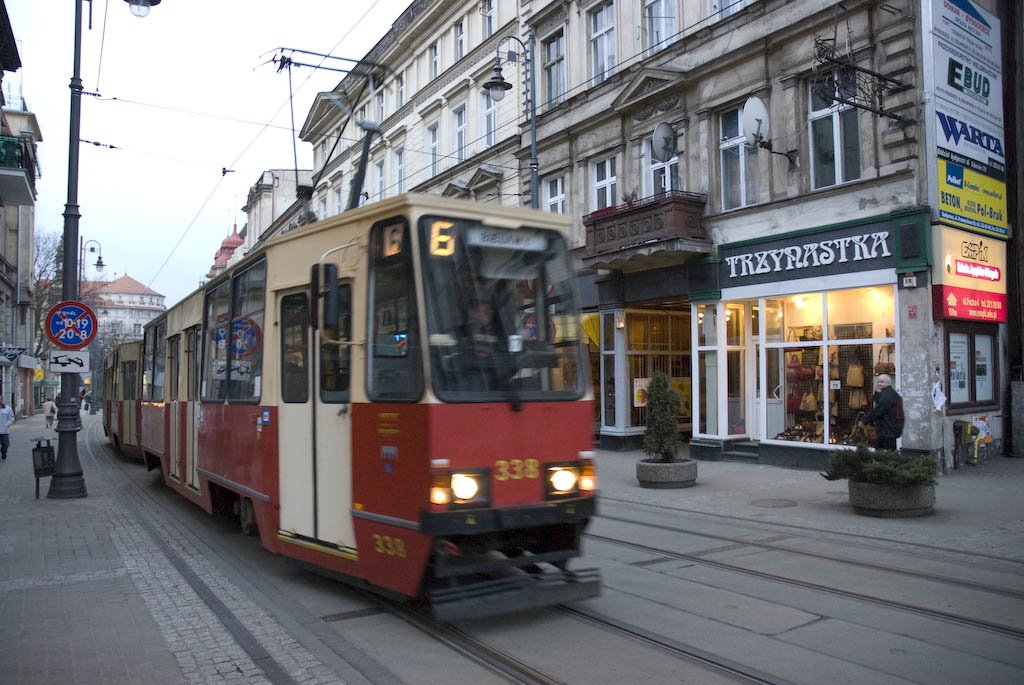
x=215 y=368
x=234 y=337
x=335 y=364
x=173 y=350
x=147 y=363
x=246 y=349
x=129 y=374
x=295 y=348
x=394 y=364
x=158 y=351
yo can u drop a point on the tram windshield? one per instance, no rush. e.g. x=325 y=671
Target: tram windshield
x=502 y=317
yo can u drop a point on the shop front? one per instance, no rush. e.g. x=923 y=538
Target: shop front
x=787 y=350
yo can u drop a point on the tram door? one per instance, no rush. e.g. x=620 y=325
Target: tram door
x=174 y=408
x=315 y=422
x=193 y=359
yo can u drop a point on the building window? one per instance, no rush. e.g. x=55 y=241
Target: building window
x=460 y=134
x=554 y=69
x=660 y=21
x=487 y=17
x=725 y=8
x=971 y=364
x=460 y=40
x=323 y=153
x=661 y=177
x=433 y=61
x=433 y=142
x=337 y=199
x=554 y=194
x=835 y=139
x=380 y=106
x=399 y=91
x=605 y=182
x=400 y=171
x=602 y=40
x=378 y=168
x=740 y=177
x=323 y=208
x=487 y=108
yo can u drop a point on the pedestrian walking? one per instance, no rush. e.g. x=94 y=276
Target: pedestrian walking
x=886 y=413
x=49 y=411
x=6 y=419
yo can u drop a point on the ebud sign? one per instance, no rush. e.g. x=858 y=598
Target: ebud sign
x=70 y=325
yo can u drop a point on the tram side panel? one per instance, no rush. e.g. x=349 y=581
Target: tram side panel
x=236 y=450
x=390 y=487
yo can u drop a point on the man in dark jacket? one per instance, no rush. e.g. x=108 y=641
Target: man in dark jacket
x=886 y=413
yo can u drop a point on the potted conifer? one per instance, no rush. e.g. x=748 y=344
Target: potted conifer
x=886 y=483
x=663 y=468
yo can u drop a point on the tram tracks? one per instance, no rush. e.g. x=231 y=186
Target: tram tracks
x=712 y=662
x=847 y=560
x=937 y=614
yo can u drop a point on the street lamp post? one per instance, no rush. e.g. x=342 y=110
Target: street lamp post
x=496 y=88
x=90 y=246
x=68 y=481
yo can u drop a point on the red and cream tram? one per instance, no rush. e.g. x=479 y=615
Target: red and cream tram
x=122 y=379
x=396 y=395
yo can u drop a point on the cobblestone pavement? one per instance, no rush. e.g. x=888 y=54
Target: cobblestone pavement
x=93 y=593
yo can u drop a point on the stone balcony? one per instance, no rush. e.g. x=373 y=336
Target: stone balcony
x=658 y=230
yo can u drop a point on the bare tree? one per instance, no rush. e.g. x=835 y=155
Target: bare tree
x=46 y=272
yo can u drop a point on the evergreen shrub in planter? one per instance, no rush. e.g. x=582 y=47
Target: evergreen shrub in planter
x=663 y=469
x=886 y=483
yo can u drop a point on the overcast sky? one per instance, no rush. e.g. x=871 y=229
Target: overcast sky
x=183 y=94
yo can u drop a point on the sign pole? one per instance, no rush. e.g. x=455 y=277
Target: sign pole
x=67 y=481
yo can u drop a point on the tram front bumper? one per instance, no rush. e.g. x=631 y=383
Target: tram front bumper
x=506 y=595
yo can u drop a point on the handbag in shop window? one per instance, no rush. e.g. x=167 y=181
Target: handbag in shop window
x=855 y=375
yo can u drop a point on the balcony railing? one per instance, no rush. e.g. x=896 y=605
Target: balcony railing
x=668 y=216
x=10 y=153
x=17 y=172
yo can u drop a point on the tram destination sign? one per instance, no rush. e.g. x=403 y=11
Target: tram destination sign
x=70 y=325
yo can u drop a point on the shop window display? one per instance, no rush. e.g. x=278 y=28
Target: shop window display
x=829 y=359
x=658 y=341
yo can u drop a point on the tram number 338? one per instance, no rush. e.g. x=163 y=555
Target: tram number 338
x=516 y=469
x=391 y=546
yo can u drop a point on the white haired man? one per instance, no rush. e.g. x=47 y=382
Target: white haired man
x=886 y=413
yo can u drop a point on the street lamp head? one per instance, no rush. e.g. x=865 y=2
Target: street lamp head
x=99 y=264
x=497 y=86
x=140 y=8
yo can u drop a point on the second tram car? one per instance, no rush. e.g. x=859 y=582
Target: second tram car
x=397 y=395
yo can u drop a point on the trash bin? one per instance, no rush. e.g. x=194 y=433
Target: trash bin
x=43 y=460
x=963 y=442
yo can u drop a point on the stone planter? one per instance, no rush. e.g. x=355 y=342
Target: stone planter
x=890 y=501
x=672 y=474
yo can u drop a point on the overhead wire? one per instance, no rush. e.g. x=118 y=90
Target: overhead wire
x=206 y=201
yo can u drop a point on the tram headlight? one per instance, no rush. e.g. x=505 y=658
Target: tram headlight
x=563 y=479
x=570 y=479
x=465 y=486
x=460 y=488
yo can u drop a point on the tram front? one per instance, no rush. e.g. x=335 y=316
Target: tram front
x=512 y=478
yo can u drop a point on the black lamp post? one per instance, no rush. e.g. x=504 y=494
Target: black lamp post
x=497 y=86
x=67 y=481
x=90 y=246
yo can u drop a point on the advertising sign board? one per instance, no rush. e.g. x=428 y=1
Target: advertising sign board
x=968 y=125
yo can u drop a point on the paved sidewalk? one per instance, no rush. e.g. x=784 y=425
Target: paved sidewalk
x=70 y=611
x=978 y=509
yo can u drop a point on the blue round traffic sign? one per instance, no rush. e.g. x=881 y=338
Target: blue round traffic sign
x=70 y=325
